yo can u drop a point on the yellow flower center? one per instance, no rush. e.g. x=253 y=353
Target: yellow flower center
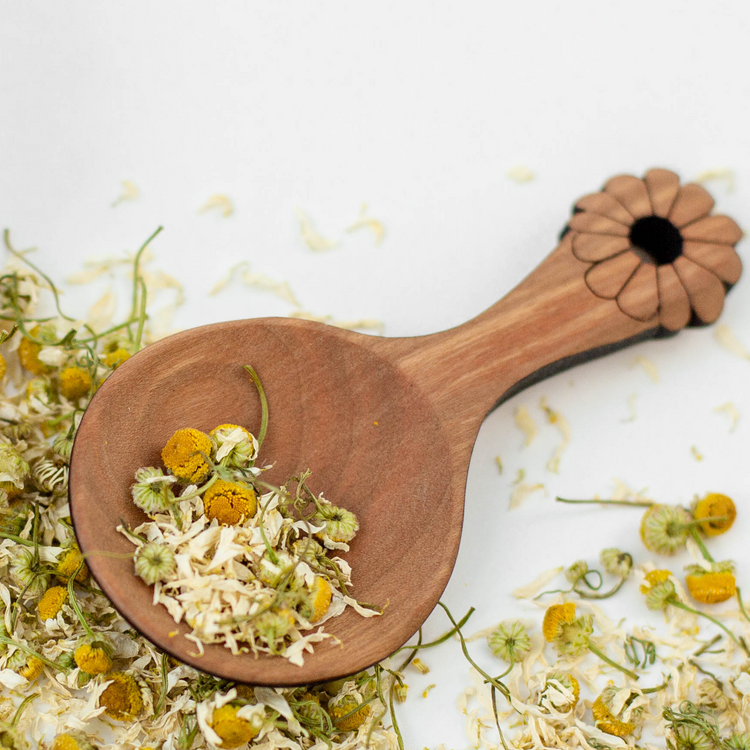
x=32 y=669
x=3 y=367
x=75 y=382
x=51 y=602
x=345 y=717
x=715 y=505
x=182 y=454
x=229 y=502
x=233 y=730
x=609 y=723
x=92 y=659
x=28 y=354
x=68 y=563
x=116 y=358
x=653 y=578
x=320 y=598
x=66 y=742
x=555 y=618
x=711 y=588
x=122 y=698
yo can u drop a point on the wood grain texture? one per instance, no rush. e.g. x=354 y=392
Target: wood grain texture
x=387 y=427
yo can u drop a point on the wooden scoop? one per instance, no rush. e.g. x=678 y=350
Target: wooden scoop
x=387 y=425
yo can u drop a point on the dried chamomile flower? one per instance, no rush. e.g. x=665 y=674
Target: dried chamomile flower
x=14 y=471
x=576 y=571
x=616 y=723
x=348 y=713
x=233 y=730
x=341 y=525
x=31 y=668
x=711 y=696
x=510 y=641
x=71 y=741
x=229 y=502
x=711 y=586
x=272 y=627
x=315 y=605
x=51 y=602
x=93 y=655
x=615 y=562
x=659 y=589
x=155 y=562
x=569 y=633
x=556 y=697
x=401 y=691
x=27 y=573
x=68 y=562
x=184 y=452
x=665 y=528
x=75 y=383
x=51 y=475
x=11 y=739
x=739 y=741
x=235 y=446
x=691 y=736
x=720 y=509
x=122 y=699
x=152 y=491
x=63 y=446
x=28 y=350
x=116 y=357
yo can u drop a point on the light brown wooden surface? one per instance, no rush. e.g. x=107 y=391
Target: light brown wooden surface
x=386 y=425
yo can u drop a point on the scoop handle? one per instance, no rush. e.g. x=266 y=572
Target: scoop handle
x=567 y=311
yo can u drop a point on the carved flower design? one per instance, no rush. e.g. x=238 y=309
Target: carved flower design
x=656 y=249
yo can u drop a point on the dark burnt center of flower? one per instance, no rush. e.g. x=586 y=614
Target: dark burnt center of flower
x=659 y=241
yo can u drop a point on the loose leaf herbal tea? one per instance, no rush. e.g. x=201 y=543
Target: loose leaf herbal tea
x=243 y=562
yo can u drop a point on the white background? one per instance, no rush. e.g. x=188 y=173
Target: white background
x=419 y=109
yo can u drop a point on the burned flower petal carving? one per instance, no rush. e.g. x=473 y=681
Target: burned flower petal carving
x=655 y=249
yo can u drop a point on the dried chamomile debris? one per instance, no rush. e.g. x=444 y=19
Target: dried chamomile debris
x=247 y=564
x=73 y=673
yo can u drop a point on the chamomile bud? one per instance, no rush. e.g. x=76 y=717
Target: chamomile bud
x=116 y=357
x=68 y=562
x=11 y=739
x=718 y=507
x=689 y=736
x=341 y=525
x=94 y=655
x=51 y=476
x=711 y=586
x=27 y=573
x=576 y=571
x=28 y=352
x=233 y=729
x=63 y=446
x=711 y=696
x=75 y=382
x=620 y=724
x=659 y=589
x=400 y=691
x=665 y=528
x=510 y=641
x=229 y=502
x=739 y=741
x=235 y=446
x=184 y=452
x=569 y=633
x=348 y=713
x=51 y=602
x=154 y=562
x=564 y=699
x=316 y=604
x=122 y=698
x=272 y=627
x=32 y=668
x=152 y=491
x=615 y=562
